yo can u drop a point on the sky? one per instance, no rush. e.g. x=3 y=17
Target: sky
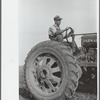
x=36 y=16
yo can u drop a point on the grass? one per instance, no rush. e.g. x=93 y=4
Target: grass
x=84 y=96
x=76 y=96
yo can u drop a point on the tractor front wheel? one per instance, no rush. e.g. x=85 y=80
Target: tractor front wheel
x=51 y=72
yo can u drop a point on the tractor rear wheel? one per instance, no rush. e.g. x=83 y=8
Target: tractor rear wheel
x=51 y=72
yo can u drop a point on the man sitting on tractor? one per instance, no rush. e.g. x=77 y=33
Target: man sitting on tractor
x=55 y=33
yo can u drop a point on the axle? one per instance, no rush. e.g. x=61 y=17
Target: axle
x=85 y=34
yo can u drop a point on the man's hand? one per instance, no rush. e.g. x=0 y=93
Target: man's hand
x=72 y=30
x=67 y=28
x=69 y=34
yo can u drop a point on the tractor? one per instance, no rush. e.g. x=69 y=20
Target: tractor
x=52 y=71
x=87 y=60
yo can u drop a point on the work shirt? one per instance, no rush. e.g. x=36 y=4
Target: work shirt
x=52 y=33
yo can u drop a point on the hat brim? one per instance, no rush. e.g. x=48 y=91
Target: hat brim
x=58 y=19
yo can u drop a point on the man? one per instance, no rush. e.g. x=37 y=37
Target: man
x=55 y=33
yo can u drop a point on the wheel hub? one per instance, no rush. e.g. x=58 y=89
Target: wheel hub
x=43 y=74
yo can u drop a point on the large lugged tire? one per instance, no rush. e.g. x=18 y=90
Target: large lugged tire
x=51 y=72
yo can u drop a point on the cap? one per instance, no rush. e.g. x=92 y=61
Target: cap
x=57 y=18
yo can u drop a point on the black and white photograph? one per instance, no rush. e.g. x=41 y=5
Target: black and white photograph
x=58 y=50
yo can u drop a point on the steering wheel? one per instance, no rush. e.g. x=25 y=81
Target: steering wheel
x=70 y=34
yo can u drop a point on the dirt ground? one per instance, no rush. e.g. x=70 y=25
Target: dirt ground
x=77 y=96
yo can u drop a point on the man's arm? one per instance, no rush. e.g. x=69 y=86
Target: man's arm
x=61 y=31
x=53 y=32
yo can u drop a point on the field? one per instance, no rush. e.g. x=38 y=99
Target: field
x=84 y=96
x=77 y=96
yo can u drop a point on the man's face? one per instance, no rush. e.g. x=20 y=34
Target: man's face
x=58 y=22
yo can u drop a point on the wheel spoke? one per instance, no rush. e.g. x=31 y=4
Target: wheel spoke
x=40 y=63
x=44 y=60
x=39 y=58
x=44 y=89
x=56 y=69
x=51 y=87
x=50 y=63
x=57 y=79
